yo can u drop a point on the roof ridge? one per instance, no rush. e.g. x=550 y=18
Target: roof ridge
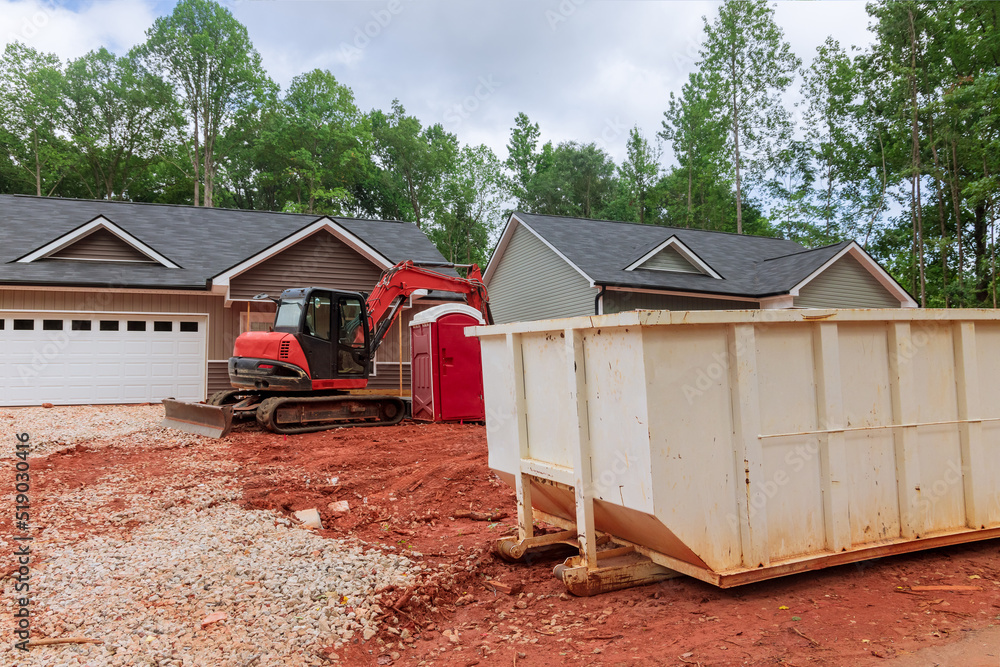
x=312 y=216
x=802 y=252
x=640 y=224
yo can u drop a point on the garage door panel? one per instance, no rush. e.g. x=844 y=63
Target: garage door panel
x=162 y=347
x=75 y=366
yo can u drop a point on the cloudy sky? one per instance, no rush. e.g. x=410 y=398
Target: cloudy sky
x=584 y=70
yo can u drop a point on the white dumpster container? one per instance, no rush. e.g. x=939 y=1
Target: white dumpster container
x=736 y=446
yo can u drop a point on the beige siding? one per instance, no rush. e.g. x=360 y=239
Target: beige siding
x=532 y=282
x=845 y=284
x=618 y=302
x=669 y=259
x=101 y=244
x=320 y=260
x=219 y=320
x=387 y=380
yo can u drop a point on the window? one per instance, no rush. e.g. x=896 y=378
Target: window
x=80 y=325
x=318 y=316
x=256 y=321
x=24 y=325
x=109 y=325
x=189 y=327
x=163 y=326
x=352 y=337
x=2 y=323
x=136 y=325
x=52 y=325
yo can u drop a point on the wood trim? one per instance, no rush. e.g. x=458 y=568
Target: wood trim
x=100 y=222
x=684 y=252
x=355 y=243
x=873 y=267
x=505 y=239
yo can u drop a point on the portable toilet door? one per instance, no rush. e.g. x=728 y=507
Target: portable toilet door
x=446 y=371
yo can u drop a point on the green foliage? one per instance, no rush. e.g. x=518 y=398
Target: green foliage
x=207 y=54
x=120 y=116
x=749 y=65
x=31 y=115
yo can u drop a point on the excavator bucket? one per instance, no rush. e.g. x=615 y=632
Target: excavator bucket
x=213 y=421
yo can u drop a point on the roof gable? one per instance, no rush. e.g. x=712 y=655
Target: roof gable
x=673 y=255
x=612 y=254
x=99 y=240
x=201 y=242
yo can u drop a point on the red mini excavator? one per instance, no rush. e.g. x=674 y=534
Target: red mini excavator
x=298 y=377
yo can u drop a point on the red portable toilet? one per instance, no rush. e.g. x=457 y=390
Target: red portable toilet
x=446 y=371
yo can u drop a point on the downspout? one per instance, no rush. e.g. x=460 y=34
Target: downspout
x=599 y=301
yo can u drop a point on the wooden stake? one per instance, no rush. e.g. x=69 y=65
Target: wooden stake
x=64 y=640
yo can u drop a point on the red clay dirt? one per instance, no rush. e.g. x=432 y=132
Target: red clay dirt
x=404 y=483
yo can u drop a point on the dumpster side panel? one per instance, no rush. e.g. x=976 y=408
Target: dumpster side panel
x=616 y=407
x=502 y=418
x=791 y=498
x=941 y=494
x=987 y=362
x=695 y=473
x=873 y=505
x=546 y=397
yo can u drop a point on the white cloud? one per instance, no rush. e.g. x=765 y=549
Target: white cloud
x=597 y=68
x=70 y=33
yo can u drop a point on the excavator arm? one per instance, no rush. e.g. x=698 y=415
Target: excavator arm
x=402 y=280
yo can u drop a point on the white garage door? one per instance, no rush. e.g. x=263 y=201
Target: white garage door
x=82 y=358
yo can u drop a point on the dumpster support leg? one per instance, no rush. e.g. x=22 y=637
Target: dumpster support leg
x=612 y=570
x=579 y=447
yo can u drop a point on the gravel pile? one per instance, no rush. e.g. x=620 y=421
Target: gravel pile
x=140 y=559
x=56 y=428
x=284 y=590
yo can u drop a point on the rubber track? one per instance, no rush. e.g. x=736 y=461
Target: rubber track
x=265 y=413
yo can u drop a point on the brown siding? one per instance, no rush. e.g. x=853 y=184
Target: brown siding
x=320 y=260
x=218 y=376
x=387 y=380
x=619 y=302
x=219 y=347
x=101 y=244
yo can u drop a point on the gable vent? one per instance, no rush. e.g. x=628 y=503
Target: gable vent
x=101 y=245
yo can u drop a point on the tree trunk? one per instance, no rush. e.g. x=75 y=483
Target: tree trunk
x=958 y=215
x=938 y=179
x=38 y=166
x=690 y=214
x=736 y=140
x=915 y=154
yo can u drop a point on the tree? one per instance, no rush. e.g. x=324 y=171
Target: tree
x=471 y=206
x=31 y=114
x=325 y=140
x=208 y=55
x=413 y=160
x=747 y=60
x=120 y=117
x=698 y=140
x=639 y=172
x=523 y=159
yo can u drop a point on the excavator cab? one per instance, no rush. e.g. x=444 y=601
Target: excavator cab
x=320 y=340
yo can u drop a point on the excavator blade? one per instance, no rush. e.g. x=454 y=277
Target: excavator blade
x=213 y=421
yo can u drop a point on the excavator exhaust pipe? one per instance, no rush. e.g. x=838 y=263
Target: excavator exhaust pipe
x=213 y=421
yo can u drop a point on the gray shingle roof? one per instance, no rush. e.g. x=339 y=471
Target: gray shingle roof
x=750 y=266
x=204 y=242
